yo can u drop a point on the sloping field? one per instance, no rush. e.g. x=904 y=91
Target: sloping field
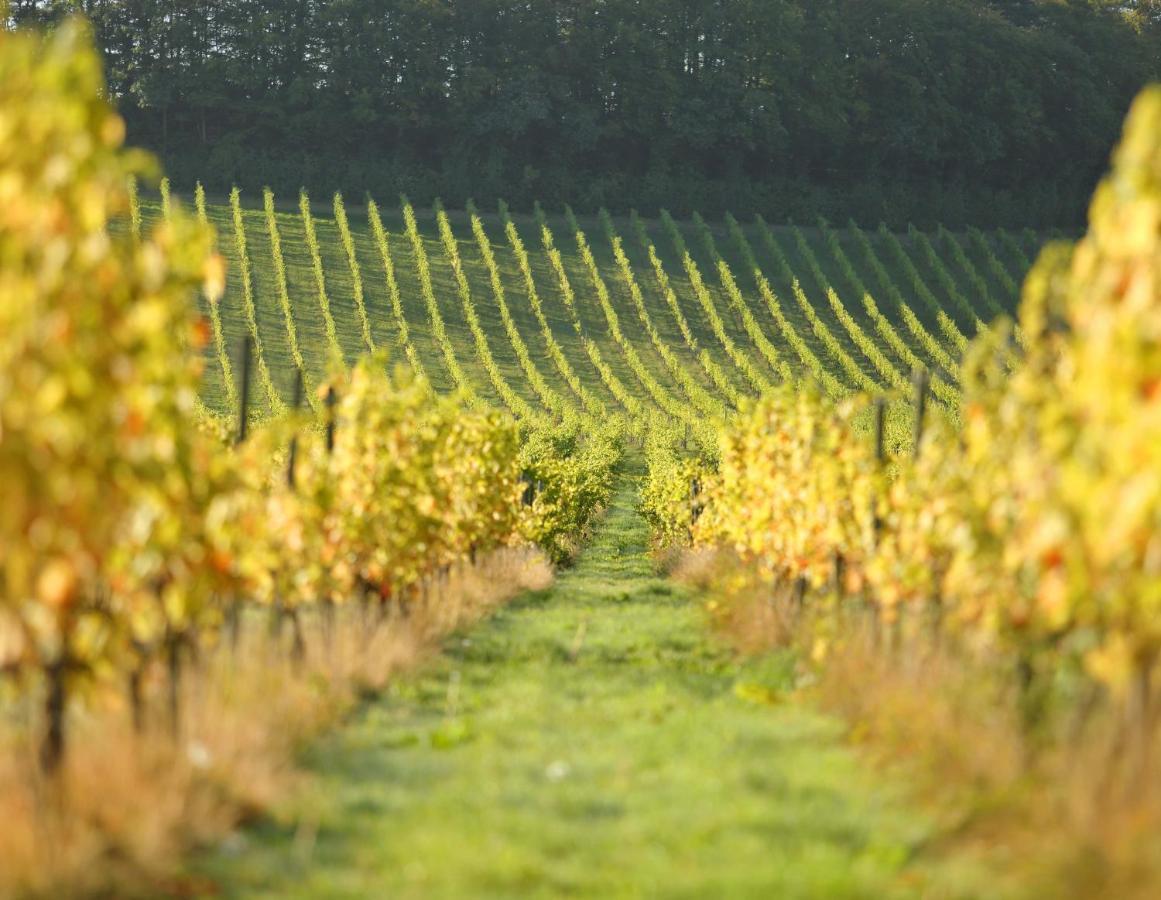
x=555 y=313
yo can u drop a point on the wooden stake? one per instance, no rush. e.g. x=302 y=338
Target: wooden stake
x=293 y=456
x=244 y=395
x=52 y=748
x=922 y=381
x=880 y=421
x=880 y=458
x=173 y=660
x=330 y=419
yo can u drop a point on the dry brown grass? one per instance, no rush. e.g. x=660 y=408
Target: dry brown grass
x=126 y=807
x=1055 y=811
x=754 y=615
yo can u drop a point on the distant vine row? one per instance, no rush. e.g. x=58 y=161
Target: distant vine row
x=272 y=398
x=919 y=287
x=517 y=404
x=830 y=385
x=692 y=390
x=662 y=397
x=348 y=242
x=134 y=210
x=382 y=242
x=591 y=403
x=1009 y=243
x=428 y=292
x=855 y=376
x=869 y=348
x=280 y=282
x=995 y=265
x=320 y=280
x=919 y=331
x=886 y=330
x=708 y=363
x=212 y=304
x=946 y=282
x=616 y=387
x=744 y=364
x=550 y=398
x=739 y=304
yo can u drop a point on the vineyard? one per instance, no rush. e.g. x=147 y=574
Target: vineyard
x=544 y=315
x=554 y=520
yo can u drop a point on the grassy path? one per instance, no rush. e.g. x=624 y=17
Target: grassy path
x=590 y=741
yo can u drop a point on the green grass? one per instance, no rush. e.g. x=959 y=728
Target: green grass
x=589 y=741
x=311 y=333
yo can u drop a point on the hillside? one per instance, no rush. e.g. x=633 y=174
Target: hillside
x=859 y=307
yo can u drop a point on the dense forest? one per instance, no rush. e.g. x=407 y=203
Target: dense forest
x=927 y=110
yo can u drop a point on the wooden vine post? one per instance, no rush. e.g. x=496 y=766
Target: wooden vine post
x=52 y=748
x=922 y=381
x=292 y=454
x=234 y=620
x=696 y=504
x=876 y=519
x=331 y=420
x=244 y=393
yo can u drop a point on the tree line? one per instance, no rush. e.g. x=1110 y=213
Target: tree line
x=960 y=110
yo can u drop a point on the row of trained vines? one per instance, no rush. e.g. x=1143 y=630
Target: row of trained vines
x=1023 y=534
x=700 y=348
x=141 y=531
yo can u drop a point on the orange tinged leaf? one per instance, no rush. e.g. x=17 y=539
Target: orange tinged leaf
x=57 y=584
